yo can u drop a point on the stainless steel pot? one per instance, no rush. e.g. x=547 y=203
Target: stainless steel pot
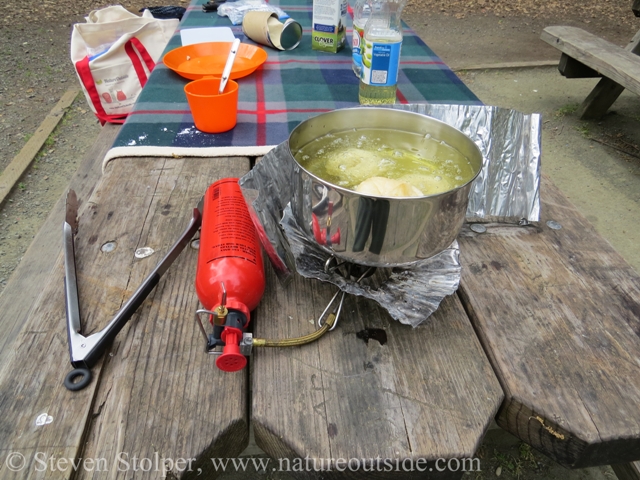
x=378 y=231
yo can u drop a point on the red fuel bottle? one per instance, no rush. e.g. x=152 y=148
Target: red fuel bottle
x=230 y=277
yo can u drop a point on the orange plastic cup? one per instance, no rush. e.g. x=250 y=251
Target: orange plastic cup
x=212 y=112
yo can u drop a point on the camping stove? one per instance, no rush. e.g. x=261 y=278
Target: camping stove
x=410 y=294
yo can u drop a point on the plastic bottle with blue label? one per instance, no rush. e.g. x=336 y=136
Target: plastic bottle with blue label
x=361 y=14
x=381 y=53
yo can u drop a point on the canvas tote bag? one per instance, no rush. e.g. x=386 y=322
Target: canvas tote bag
x=114 y=53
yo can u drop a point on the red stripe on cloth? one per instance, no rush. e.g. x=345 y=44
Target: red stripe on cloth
x=160 y=112
x=261 y=127
x=262 y=112
x=321 y=61
x=401 y=97
x=287 y=110
x=308 y=30
x=340 y=61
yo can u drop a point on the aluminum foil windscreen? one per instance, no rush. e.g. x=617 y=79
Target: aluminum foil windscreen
x=508 y=187
x=410 y=295
x=506 y=190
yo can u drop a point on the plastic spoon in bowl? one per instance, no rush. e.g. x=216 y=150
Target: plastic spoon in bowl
x=226 y=73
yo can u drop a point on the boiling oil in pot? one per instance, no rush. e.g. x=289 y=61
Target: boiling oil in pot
x=349 y=158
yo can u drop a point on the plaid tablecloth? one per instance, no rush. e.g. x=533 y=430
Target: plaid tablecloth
x=290 y=87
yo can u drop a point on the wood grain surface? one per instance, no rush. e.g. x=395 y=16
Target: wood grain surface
x=606 y=91
x=558 y=311
x=616 y=63
x=620 y=68
x=426 y=393
x=627 y=471
x=157 y=395
x=572 y=68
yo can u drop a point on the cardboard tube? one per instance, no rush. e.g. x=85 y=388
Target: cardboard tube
x=266 y=29
x=254 y=26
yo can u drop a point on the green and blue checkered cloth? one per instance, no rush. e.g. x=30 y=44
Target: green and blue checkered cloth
x=290 y=87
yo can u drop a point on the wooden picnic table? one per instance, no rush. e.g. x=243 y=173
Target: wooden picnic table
x=543 y=335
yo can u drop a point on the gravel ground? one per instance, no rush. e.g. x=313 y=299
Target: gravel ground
x=35 y=71
x=35 y=66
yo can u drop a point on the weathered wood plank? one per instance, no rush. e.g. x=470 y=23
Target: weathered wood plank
x=627 y=471
x=616 y=63
x=606 y=91
x=12 y=173
x=571 y=68
x=558 y=312
x=25 y=284
x=599 y=99
x=426 y=393
x=619 y=66
x=158 y=395
x=634 y=44
x=167 y=395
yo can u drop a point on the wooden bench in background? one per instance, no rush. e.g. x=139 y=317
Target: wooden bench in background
x=585 y=55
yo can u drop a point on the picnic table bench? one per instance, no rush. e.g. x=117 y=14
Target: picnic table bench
x=543 y=336
x=585 y=55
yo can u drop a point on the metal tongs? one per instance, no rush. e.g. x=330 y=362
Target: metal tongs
x=86 y=351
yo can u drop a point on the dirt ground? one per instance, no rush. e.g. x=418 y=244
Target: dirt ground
x=596 y=163
x=489 y=32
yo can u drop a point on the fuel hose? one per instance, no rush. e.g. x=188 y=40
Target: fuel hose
x=292 y=342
